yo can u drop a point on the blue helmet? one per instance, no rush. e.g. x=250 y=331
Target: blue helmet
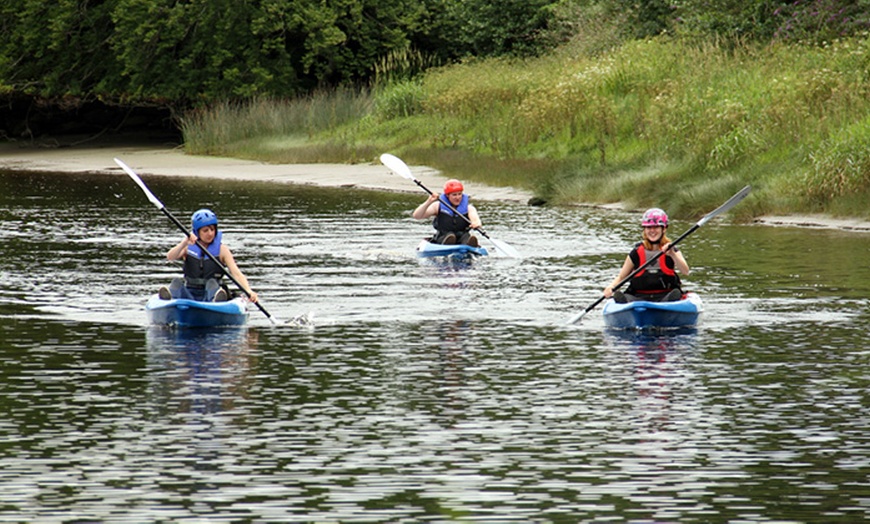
x=202 y=218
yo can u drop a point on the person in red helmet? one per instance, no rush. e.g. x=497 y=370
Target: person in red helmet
x=454 y=216
x=658 y=282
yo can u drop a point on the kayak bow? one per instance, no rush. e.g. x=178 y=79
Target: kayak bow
x=180 y=312
x=643 y=314
x=427 y=249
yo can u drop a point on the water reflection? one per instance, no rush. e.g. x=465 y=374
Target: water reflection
x=201 y=371
x=657 y=363
x=673 y=445
x=445 y=347
x=449 y=265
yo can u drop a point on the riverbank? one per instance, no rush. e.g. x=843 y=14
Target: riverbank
x=155 y=160
x=168 y=160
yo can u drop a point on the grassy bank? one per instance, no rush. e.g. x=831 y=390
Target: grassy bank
x=667 y=122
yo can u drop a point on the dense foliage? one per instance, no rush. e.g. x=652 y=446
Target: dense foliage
x=183 y=52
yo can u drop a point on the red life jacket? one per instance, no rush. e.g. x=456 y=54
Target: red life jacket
x=647 y=282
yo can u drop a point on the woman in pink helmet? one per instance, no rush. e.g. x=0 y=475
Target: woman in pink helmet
x=454 y=216
x=658 y=282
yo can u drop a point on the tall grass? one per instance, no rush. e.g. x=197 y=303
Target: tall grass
x=662 y=121
x=276 y=130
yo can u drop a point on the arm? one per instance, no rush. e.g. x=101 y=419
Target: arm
x=627 y=268
x=180 y=250
x=473 y=217
x=679 y=262
x=230 y=262
x=427 y=209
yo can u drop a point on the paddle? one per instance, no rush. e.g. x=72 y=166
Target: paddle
x=154 y=200
x=396 y=165
x=733 y=201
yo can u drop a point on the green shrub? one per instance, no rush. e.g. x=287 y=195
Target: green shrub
x=398 y=100
x=840 y=166
x=636 y=123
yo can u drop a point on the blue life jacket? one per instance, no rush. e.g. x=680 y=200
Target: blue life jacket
x=199 y=267
x=446 y=221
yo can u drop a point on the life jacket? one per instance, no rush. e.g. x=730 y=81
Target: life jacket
x=653 y=279
x=446 y=221
x=199 y=267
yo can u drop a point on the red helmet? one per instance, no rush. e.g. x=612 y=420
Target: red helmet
x=654 y=217
x=453 y=186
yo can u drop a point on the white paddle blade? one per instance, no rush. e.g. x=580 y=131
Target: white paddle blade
x=733 y=201
x=505 y=248
x=576 y=318
x=154 y=200
x=397 y=166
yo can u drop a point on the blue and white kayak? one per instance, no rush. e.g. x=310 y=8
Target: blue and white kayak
x=181 y=312
x=653 y=315
x=427 y=249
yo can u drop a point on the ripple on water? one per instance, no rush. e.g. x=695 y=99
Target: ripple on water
x=424 y=391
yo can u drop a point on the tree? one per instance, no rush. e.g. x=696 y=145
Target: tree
x=752 y=19
x=55 y=48
x=186 y=51
x=485 y=28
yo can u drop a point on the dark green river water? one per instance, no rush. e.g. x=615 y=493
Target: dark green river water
x=422 y=392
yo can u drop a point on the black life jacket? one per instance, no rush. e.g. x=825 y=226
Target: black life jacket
x=653 y=279
x=199 y=267
x=446 y=221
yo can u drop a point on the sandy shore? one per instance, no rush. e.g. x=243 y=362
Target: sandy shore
x=156 y=160
x=816 y=222
x=168 y=161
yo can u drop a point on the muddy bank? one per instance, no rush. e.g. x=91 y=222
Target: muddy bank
x=167 y=160
x=171 y=161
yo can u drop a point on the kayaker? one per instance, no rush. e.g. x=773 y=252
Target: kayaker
x=451 y=227
x=202 y=276
x=658 y=282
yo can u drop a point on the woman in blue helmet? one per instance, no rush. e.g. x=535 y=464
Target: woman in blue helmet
x=202 y=276
x=451 y=227
x=658 y=282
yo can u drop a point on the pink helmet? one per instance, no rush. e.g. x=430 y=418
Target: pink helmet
x=453 y=186
x=654 y=217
